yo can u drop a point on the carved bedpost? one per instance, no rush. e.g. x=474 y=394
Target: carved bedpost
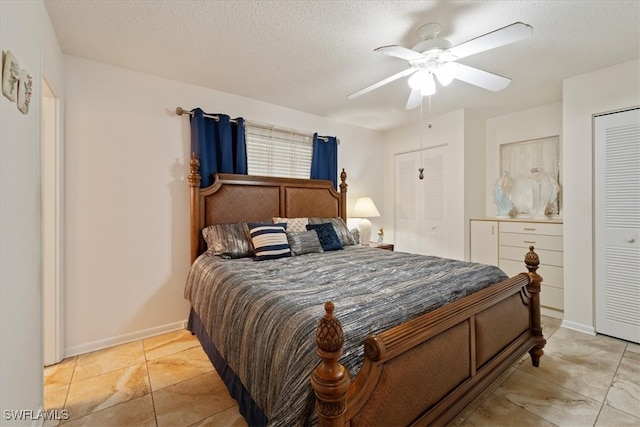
x=532 y=261
x=343 y=195
x=194 y=185
x=330 y=380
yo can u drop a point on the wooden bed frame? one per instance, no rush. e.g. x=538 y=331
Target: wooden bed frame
x=422 y=372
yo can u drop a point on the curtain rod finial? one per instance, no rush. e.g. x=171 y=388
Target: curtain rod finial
x=179 y=111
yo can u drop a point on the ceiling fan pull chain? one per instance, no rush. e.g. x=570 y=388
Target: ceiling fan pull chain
x=429 y=125
x=421 y=169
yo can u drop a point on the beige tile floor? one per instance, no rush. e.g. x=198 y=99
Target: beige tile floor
x=167 y=380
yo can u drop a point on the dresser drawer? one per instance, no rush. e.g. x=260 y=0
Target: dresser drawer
x=546 y=256
x=551 y=274
x=552 y=297
x=539 y=241
x=531 y=228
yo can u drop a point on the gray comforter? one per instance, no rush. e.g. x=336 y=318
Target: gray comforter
x=262 y=315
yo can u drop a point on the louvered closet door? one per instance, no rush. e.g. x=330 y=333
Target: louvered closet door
x=406 y=203
x=617 y=224
x=420 y=204
x=432 y=188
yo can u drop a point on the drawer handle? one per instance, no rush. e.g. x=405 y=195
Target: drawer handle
x=530 y=241
x=529 y=229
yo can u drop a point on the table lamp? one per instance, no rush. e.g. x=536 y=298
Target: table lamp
x=365 y=208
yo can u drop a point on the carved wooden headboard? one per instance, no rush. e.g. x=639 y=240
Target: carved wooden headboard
x=235 y=198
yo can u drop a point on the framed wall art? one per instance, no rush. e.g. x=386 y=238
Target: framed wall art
x=25 y=87
x=523 y=162
x=10 y=76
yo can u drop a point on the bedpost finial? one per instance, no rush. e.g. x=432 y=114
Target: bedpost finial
x=330 y=380
x=194 y=175
x=329 y=307
x=343 y=181
x=195 y=162
x=532 y=260
x=329 y=334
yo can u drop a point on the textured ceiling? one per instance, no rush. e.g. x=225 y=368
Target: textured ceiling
x=308 y=55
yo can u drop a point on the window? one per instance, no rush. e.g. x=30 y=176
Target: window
x=278 y=152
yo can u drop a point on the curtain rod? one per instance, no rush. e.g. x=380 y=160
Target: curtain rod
x=180 y=111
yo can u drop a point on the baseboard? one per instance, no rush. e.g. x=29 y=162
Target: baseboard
x=586 y=329
x=123 y=339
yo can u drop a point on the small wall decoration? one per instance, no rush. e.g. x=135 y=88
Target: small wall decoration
x=10 y=76
x=25 y=87
x=16 y=83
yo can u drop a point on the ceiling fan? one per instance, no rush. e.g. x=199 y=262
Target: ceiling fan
x=434 y=56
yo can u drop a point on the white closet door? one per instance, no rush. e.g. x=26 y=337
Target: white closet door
x=617 y=224
x=407 y=238
x=420 y=208
x=432 y=188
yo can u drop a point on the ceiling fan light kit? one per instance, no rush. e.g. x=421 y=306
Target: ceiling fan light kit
x=435 y=56
x=446 y=72
x=429 y=86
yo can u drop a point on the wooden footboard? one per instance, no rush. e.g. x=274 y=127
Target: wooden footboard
x=425 y=371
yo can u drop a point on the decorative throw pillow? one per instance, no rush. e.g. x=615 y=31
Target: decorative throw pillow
x=327 y=236
x=269 y=241
x=228 y=240
x=297 y=225
x=304 y=243
x=345 y=236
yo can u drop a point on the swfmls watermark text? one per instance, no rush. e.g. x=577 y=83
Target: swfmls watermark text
x=31 y=415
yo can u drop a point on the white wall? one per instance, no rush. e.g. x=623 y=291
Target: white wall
x=26 y=31
x=475 y=154
x=127 y=201
x=601 y=91
x=538 y=122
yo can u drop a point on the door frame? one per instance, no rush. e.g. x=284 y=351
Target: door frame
x=51 y=168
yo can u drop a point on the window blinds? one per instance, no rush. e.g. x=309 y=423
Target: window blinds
x=275 y=152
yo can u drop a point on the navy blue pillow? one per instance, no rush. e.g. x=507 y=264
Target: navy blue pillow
x=327 y=235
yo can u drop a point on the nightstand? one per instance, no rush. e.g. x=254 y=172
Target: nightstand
x=386 y=246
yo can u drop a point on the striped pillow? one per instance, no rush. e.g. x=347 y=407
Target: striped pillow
x=269 y=241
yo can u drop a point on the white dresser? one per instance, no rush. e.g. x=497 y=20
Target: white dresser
x=511 y=243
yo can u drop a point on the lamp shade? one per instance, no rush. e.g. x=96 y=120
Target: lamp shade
x=365 y=208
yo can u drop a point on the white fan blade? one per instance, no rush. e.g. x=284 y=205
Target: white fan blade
x=509 y=34
x=415 y=98
x=480 y=78
x=400 y=52
x=396 y=76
